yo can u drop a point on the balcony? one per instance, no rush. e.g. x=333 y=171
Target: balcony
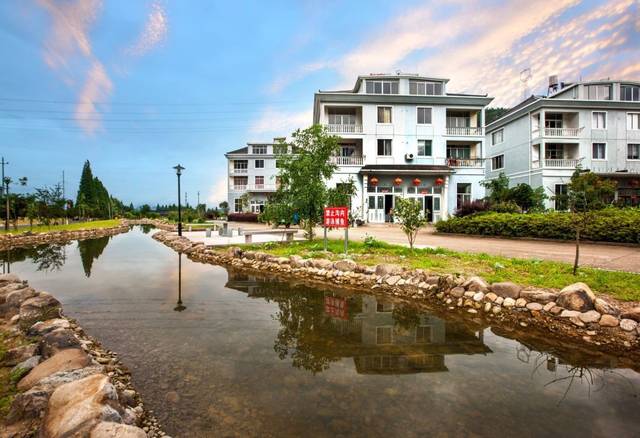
x=235 y=171
x=464 y=131
x=344 y=128
x=347 y=161
x=557 y=163
x=557 y=132
x=465 y=162
x=238 y=187
x=261 y=187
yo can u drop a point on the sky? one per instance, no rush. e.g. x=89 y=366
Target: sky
x=136 y=87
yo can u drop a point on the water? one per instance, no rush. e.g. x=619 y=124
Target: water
x=215 y=352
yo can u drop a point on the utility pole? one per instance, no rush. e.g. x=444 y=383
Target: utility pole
x=64 y=198
x=5 y=184
x=198 y=198
x=3 y=164
x=186 y=200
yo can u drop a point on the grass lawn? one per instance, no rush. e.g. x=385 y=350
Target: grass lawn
x=70 y=227
x=621 y=285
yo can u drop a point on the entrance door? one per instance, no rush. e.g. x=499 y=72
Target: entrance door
x=376 y=208
x=428 y=207
x=388 y=205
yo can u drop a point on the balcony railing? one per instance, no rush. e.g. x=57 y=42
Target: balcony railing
x=567 y=163
x=557 y=132
x=238 y=187
x=261 y=187
x=465 y=131
x=239 y=171
x=465 y=162
x=344 y=128
x=347 y=161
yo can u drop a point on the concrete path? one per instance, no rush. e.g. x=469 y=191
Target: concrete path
x=614 y=257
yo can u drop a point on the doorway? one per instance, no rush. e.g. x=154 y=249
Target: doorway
x=428 y=208
x=388 y=206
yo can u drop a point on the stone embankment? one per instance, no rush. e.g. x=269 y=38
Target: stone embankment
x=26 y=239
x=67 y=384
x=158 y=223
x=573 y=313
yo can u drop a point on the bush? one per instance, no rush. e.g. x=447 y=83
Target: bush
x=473 y=207
x=506 y=207
x=243 y=217
x=610 y=225
x=277 y=213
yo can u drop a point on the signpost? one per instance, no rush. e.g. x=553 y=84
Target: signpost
x=337 y=217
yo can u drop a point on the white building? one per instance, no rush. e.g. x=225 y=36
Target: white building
x=595 y=125
x=404 y=135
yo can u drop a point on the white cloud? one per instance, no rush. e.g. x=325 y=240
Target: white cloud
x=154 y=31
x=218 y=192
x=96 y=88
x=281 y=123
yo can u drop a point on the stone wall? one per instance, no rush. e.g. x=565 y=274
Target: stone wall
x=68 y=385
x=573 y=313
x=9 y=241
x=158 y=223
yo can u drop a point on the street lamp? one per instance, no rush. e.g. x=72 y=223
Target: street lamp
x=179 y=307
x=179 y=170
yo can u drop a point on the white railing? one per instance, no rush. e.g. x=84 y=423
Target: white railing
x=344 y=128
x=238 y=188
x=471 y=130
x=561 y=162
x=261 y=187
x=465 y=162
x=347 y=161
x=239 y=171
x=557 y=132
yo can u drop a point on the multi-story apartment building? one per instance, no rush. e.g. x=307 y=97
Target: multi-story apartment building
x=594 y=125
x=404 y=135
x=252 y=170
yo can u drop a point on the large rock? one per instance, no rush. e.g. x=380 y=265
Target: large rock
x=17 y=297
x=476 y=284
x=9 y=288
x=632 y=314
x=51 y=382
x=605 y=308
x=388 y=269
x=8 y=278
x=43 y=327
x=108 y=429
x=296 y=261
x=322 y=264
x=609 y=321
x=538 y=296
x=77 y=407
x=345 y=265
x=28 y=405
x=58 y=340
x=628 y=325
x=577 y=296
x=506 y=289
x=590 y=317
x=19 y=354
x=39 y=308
x=65 y=360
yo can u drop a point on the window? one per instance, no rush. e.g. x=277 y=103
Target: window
x=599 y=120
x=459 y=152
x=260 y=150
x=553 y=120
x=598 y=92
x=425 y=88
x=424 y=148
x=633 y=121
x=383 y=335
x=342 y=116
x=347 y=151
x=424 y=116
x=554 y=151
x=630 y=92
x=257 y=206
x=280 y=149
x=237 y=205
x=599 y=151
x=384 y=114
x=384 y=147
x=458 y=119
x=240 y=182
x=259 y=179
x=259 y=164
x=633 y=151
x=384 y=307
x=464 y=194
x=423 y=334
x=497 y=137
x=240 y=165
x=497 y=162
x=382 y=87
x=561 y=201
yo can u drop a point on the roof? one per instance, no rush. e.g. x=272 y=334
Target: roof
x=405 y=168
x=243 y=150
x=382 y=76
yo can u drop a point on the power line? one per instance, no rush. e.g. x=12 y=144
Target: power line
x=75 y=102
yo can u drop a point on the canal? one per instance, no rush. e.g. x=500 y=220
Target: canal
x=216 y=352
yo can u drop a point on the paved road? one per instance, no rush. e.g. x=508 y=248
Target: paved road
x=621 y=258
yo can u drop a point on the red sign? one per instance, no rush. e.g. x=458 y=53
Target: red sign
x=336 y=217
x=336 y=307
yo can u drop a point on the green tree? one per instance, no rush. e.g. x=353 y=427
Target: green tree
x=409 y=213
x=498 y=188
x=526 y=198
x=492 y=114
x=586 y=195
x=86 y=191
x=303 y=175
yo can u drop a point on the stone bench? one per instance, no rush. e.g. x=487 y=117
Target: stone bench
x=287 y=233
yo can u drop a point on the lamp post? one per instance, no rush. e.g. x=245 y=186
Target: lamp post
x=179 y=170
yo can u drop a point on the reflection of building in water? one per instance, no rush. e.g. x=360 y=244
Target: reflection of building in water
x=380 y=337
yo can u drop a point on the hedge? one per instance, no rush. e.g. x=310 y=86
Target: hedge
x=243 y=217
x=609 y=225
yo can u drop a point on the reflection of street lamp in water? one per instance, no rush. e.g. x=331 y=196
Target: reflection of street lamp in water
x=179 y=307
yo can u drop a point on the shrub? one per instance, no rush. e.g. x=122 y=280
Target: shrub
x=243 y=217
x=609 y=225
x=506 y=207
x=473 y=207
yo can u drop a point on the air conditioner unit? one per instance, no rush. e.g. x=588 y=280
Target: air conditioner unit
x=408 y=157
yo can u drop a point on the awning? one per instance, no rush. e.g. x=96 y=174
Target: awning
x=413 y=169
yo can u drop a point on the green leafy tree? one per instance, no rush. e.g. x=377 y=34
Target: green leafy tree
x=492 y=114
x=409 y=214
x=586 y=195
x=498 y=188
x=303 y=175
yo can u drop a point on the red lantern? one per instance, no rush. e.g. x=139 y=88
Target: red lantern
x=374 y=181
x=439 y=181
x=397 y=181
x=416 y=181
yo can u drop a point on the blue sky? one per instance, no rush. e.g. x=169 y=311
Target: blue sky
x=139 y=86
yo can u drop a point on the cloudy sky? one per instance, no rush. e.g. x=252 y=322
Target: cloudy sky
x=139 y=86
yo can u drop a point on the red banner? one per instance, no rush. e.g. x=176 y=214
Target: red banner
x=336 y=307
x=336 y=217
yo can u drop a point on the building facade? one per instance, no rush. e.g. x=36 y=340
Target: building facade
x=594 y=125
x=405 y=136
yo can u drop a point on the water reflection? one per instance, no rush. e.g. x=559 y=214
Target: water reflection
x=46 y=258
x=317 y=329
x=90 y=250
x=179 y=307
